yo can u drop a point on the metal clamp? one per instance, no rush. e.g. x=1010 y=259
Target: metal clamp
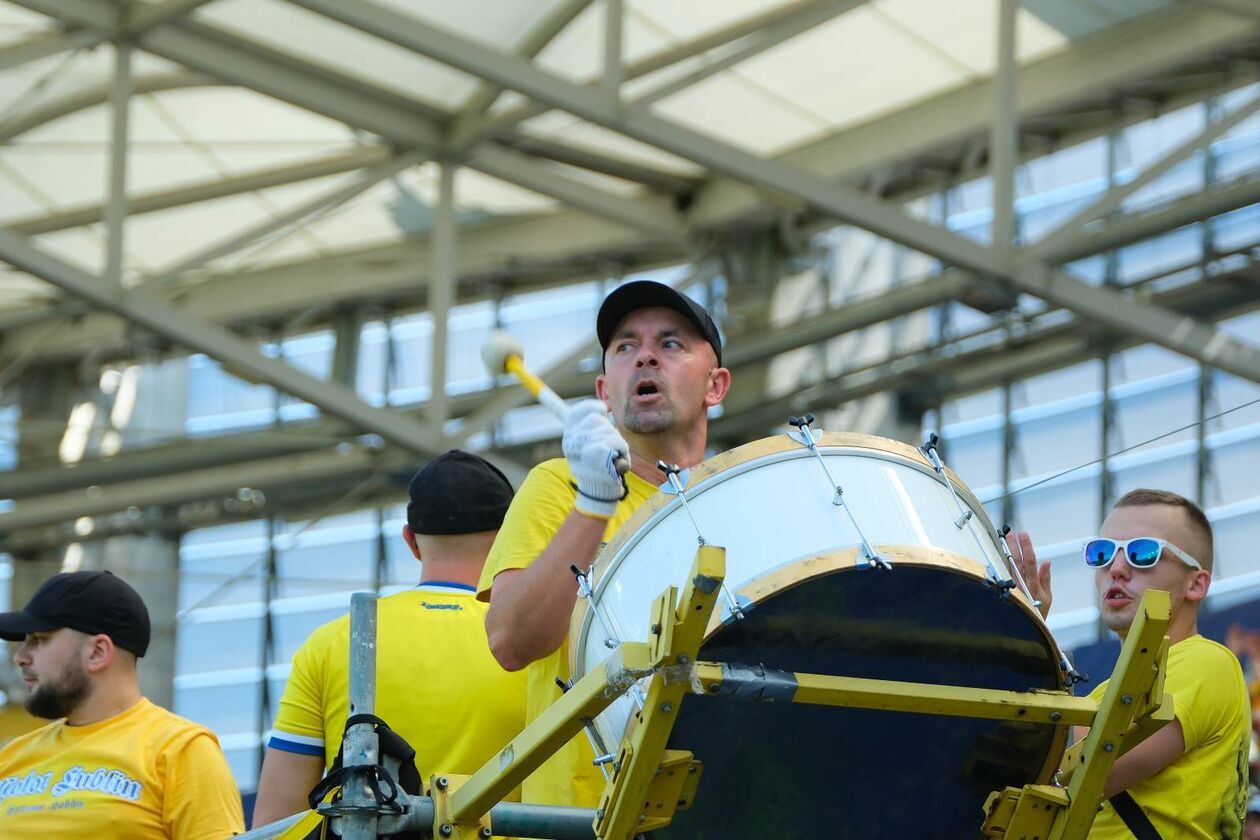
x=807 y=439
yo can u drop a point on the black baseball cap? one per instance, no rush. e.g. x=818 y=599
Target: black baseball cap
x=642 y=294
x=90 y=602
x=457 y=493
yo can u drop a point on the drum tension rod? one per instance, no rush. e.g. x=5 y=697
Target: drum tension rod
x=928 y=448
x=602 y=756
x=1014 y=567
x=807 y=437
x=994 y=580
x=611 y=639
x=672 y=472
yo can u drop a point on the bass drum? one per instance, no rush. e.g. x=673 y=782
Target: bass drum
x=812 y=604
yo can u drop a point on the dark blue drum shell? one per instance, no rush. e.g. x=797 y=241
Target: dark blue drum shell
x=793 y=770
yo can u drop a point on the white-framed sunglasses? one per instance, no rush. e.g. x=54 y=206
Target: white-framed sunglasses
x=1140 y=552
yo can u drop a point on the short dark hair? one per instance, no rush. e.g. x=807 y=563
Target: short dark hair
x=1198 y=519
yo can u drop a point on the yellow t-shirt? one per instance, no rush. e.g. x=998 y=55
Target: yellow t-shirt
x=142 y=774
x=540 y=507
x=437 y=684
x=1203 y=792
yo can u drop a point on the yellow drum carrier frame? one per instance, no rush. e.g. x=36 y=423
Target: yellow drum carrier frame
x=649 y=782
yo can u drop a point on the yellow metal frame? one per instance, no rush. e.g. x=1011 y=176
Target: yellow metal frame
x=649 y=782
x=1132 y=708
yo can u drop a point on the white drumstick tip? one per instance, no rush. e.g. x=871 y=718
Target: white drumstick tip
x=498 y=347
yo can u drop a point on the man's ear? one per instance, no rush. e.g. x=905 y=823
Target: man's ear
x=601 y=390
x=1197 y=586
x=409 y=537
x=719 y=385
x=99 y=652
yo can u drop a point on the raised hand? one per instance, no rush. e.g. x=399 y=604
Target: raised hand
x=592 y=445
x=1036 y=576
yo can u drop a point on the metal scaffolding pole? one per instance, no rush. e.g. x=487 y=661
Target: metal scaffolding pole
x=614 y=70
x=441 y=292
x=116 y=209
x=1004 y=136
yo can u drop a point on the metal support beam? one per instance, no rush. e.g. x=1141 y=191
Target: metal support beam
x=314 y=207
x=55 y=107
x=1086 y=71
x=240 y=356
x=1004 y=136
x=1115 y=195
x=535 y=42
x=841 y=202
x=207 y=190
x=1240 y=8
x=530 y=253
x=614 y=70
x=1213 y=200
x=1179 y=333
x=400 y=119
x=441 y=292
x=771 y=27
x=785 y=28
x=655 y=218
x=180 y=487
x=43 y=46
x=119 y=147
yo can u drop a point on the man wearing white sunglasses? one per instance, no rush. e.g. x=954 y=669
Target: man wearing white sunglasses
x=1188 y=780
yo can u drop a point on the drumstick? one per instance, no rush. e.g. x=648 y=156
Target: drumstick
x=502 y=353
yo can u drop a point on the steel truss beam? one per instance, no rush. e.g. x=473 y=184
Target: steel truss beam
x=1093 y=70
x=237 y=354
x=128 y=26
x=979 y=362
x=509 y=256
x=770 y=28
x=304 y=211
x=399 y=119
x=790 y=24
x=1115 y=197
x=1105 y=306
x=208 y=190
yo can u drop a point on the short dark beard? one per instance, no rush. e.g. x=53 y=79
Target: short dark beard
x=58 y=698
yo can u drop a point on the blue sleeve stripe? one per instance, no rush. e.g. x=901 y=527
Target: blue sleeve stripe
x=285 y=745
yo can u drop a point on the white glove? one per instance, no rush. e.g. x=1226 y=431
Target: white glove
x=592 y=443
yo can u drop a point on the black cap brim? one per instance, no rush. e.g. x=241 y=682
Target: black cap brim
x=16 y=625
x=643 y=294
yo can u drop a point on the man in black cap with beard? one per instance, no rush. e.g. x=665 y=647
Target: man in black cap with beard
x=111 y=763
x=437 y=684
